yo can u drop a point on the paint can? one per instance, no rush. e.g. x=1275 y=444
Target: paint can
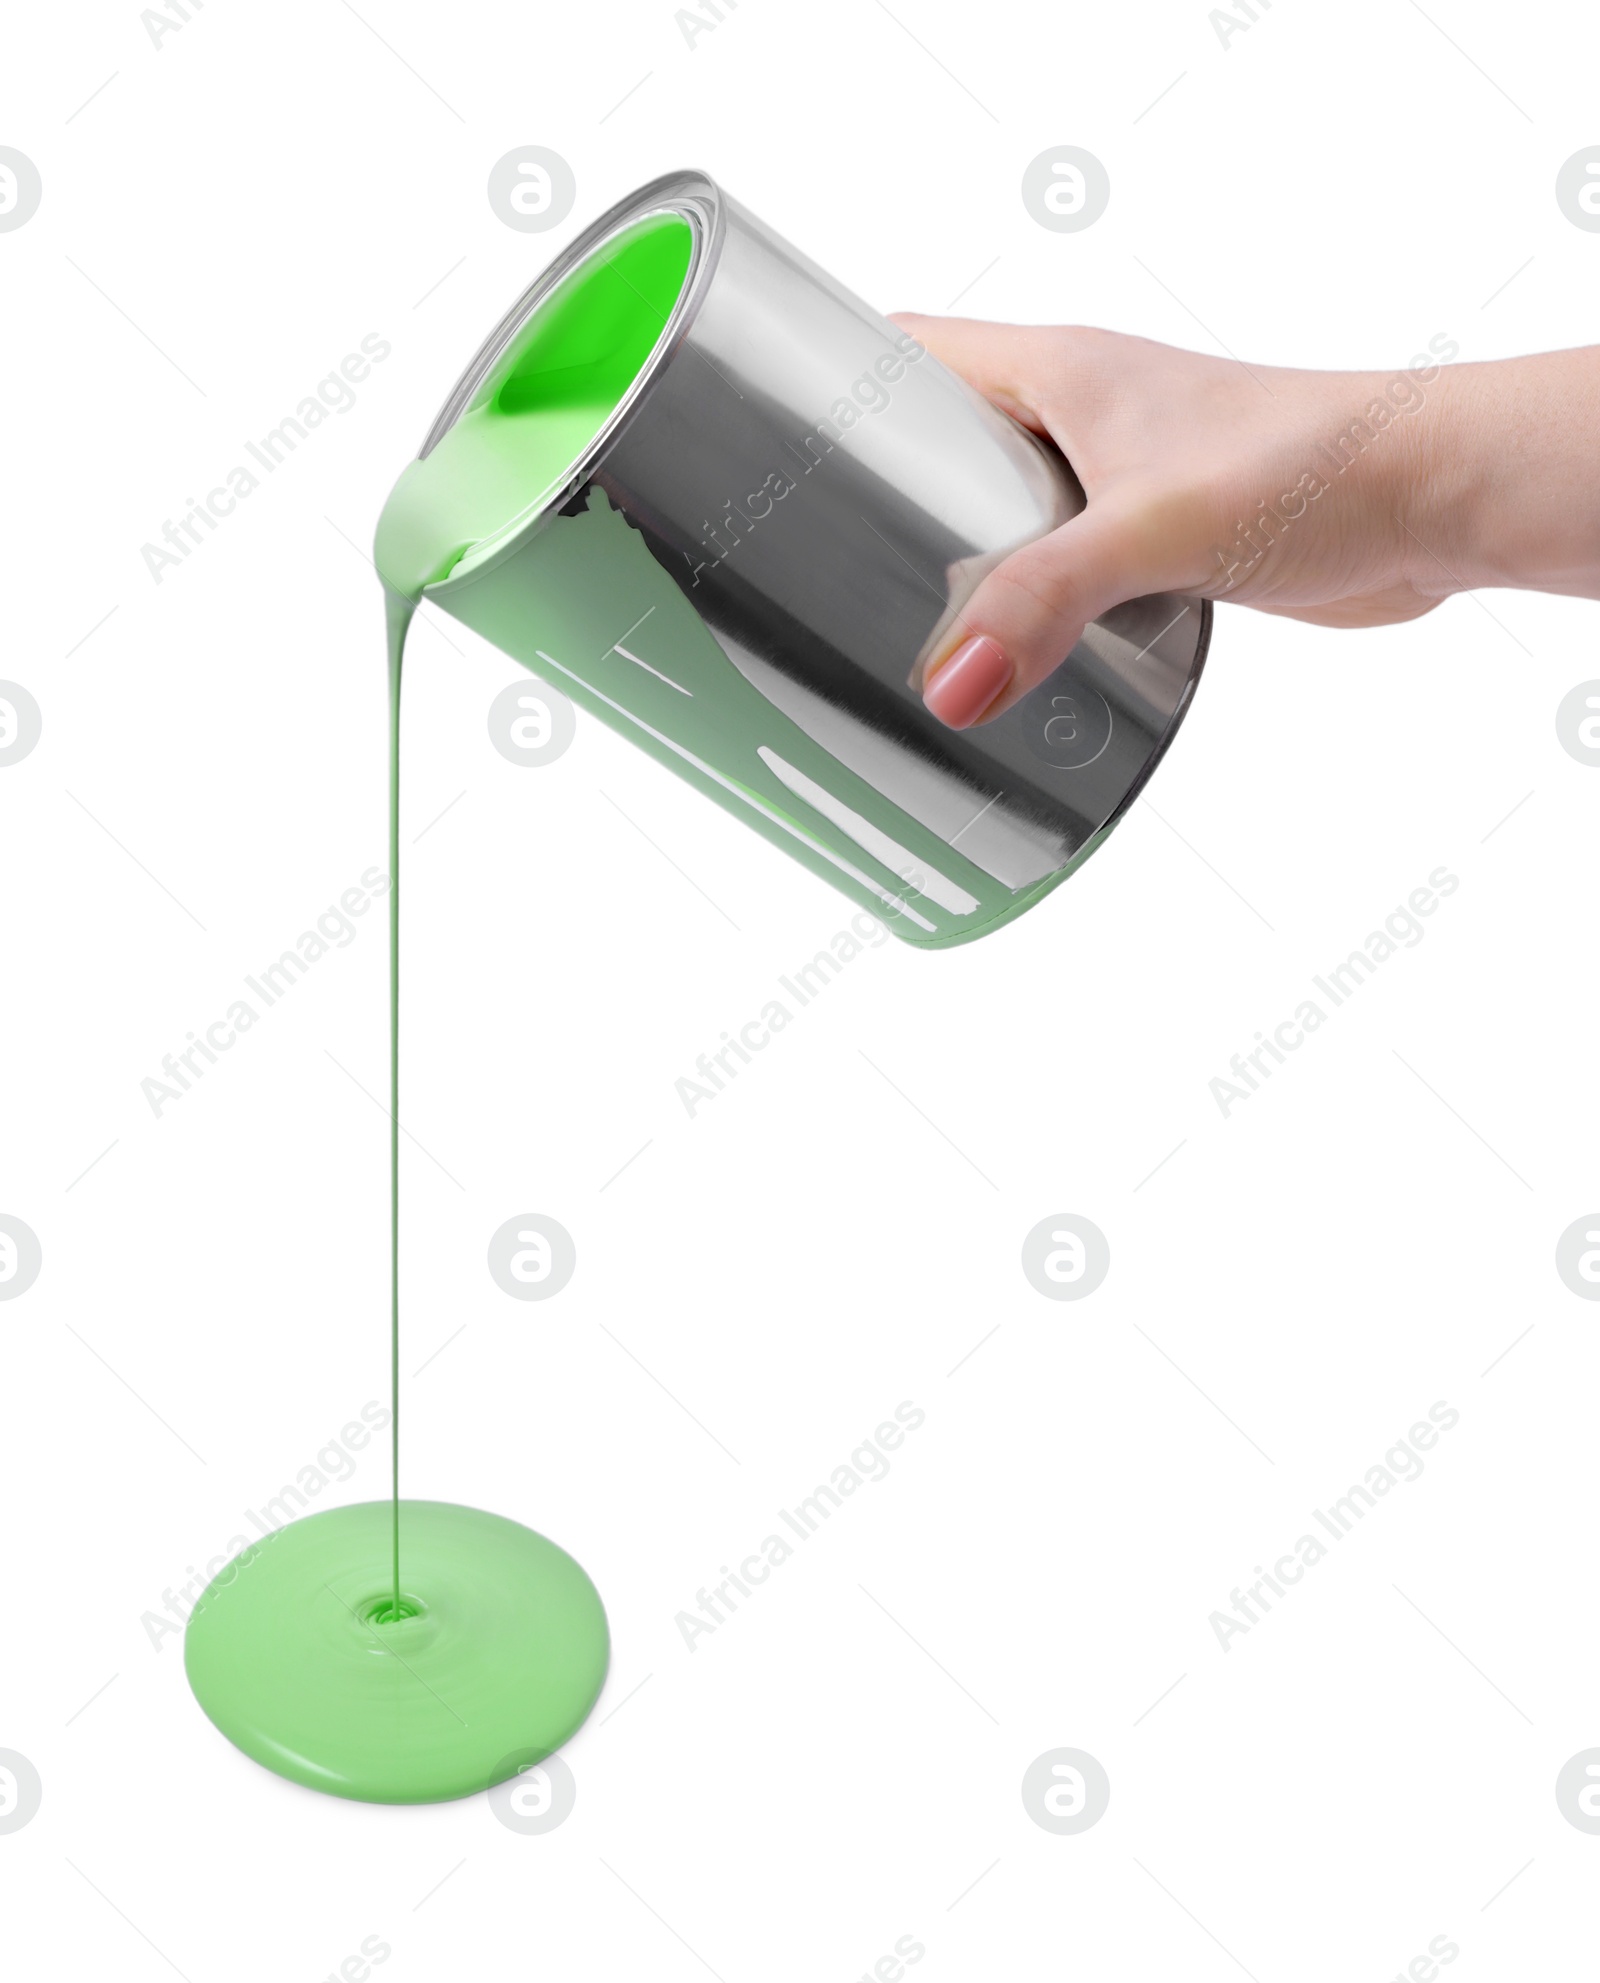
x=773 y=529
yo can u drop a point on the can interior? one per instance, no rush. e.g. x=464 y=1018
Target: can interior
x=543 y=402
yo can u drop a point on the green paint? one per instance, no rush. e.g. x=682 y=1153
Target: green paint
x=497 y=1658
x=540 y=407
x=314 y=1655
x=397 y=614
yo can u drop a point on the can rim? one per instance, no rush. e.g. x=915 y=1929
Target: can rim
x=688 y=195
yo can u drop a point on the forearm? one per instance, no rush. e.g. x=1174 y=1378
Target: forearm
x=1504 y=486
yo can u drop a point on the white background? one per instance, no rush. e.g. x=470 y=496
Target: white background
x=1290 y=1290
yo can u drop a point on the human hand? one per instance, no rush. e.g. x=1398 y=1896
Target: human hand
x=1342 y=498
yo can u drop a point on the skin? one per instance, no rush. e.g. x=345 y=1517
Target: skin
x=1481 y=475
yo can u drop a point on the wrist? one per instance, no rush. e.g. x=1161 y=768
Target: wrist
x=1448 y=495
x=1502 y=490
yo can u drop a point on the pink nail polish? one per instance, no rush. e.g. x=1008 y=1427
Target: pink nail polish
x=968 y=682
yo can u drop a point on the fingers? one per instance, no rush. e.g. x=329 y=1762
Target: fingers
x=1025 y=617
x=1134 y=537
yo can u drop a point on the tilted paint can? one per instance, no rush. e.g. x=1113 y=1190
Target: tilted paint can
x=773 y=529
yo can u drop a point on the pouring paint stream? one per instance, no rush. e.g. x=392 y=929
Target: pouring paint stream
x=398 y=614
x=540 y=407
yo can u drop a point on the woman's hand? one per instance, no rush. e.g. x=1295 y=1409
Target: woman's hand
x=1343 y=498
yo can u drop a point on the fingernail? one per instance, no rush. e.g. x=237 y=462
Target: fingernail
x=968 y=682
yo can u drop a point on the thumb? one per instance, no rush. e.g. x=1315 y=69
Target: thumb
x=1027 y=615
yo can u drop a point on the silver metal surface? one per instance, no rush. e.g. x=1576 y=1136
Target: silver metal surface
x=827 y=496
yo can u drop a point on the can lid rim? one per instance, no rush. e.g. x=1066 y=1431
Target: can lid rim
x=690 y=195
